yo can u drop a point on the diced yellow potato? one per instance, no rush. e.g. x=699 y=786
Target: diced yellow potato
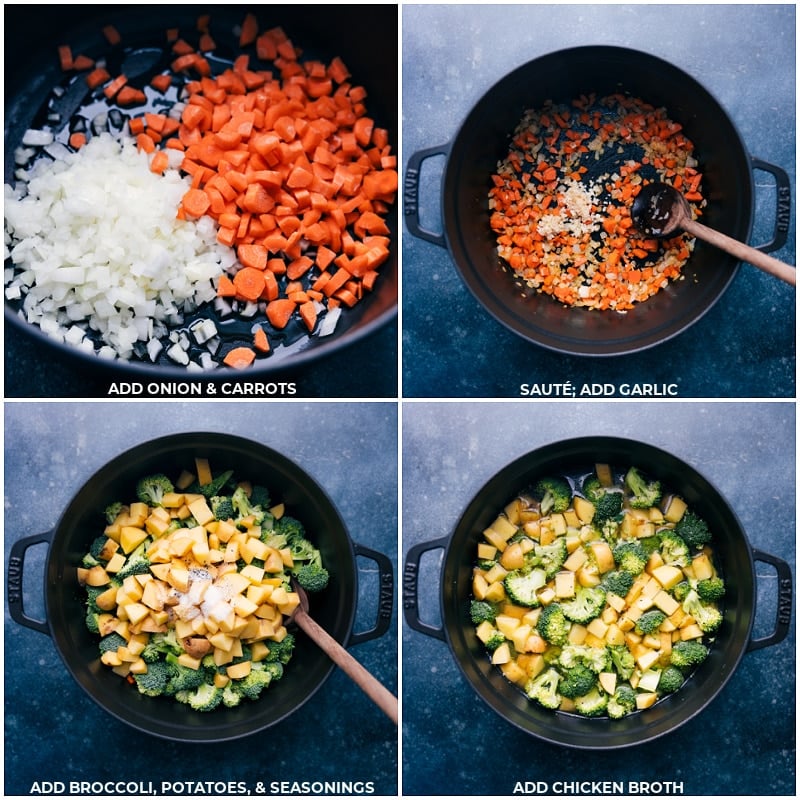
x=231 y=554
x=507 y=625
x=94 y=576
x=609 y=615
x=691 y=631
x=486 y=551
x=116 y=563
x=666 y=603
x=495 y=593
x=546 y=533
x=654 y=561
x=648 y=682
x=172 y=500
x=178 y=578
x=220 y=680
x=532 y=663
x=593 y=641
x=108 y=550
x=131 y=538
x=583 y=509
x=513 y=557
x=520 y=636
x=502 y=655
x=645 y=700
x=608 y=680
x=597 y=628
x=136 y=612
x=189 y=661
x=668 y=575
x=675 y=509
x=106 y=623
x=614 y=635
x=485 y=630
x=200 y=511
x=153 y=596
x=505 y=528
x=203 y=470
x=532 y=528
x=577 y=634
x=588 y=576
x=256 y=548
x=646 y=658
x=510 y=610
x=275 y=562
x=514 y=673
x=258 y=651
x=290 y=605
x=201 y=551
x=565 y=584
x=497 y=573
x=160 y=570
x=531 y=616
x=702 y=567
x=258 y=594
x=111 y=659
x=603 y=556
x=535 y=644
x=546 y=596
x=652 y=640
x=240 y=670
x=512 y=510
x=223 y=657
x=558 y=524
x=479 y=587
x=615 y=601
x=576 y=560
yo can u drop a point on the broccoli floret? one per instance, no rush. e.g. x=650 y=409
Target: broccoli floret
x=222 y=507
x=688 y=654
x=289 y=527
x=205 y=697
x=112 y=511
x=243 y=507
x=153 y=683
x=151 y=490
x=482 y=611
x=673 y=549
x=89 y=561
x=693 y=530
x=214 y=488
x=553 y=494
x=622 y=702
x=552 y=625
x=312 y=577
x=92 y=621
x=607 y=508
x=137 y=564
x=592 y=489
x=671 y=680
x=183 y=678
x=166 y=642
x=708 y=617
x=259 y=677
x=711 y=590
x=230 y=697
x=622 y=660
x=618 y=582
x=592 y=704
x=551 y=557
x=281 y=651
x=260 y=497
x=522 y=584
x=577 y=682
x=609 y=530
x=595 y=658
x=630 y=556
x=92 y=593
x=681 y=590
x=97 y=546
x=649 y=622
x=544 y=689
x=111 y=642
x=494 y=641
x=643 y=493
x=587 y=604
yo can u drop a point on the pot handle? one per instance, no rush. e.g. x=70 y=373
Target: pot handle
x=783 y=211
x=410 y=587
x=411 y=194
x=16 y=568
x=386 y=601
x=784 y=614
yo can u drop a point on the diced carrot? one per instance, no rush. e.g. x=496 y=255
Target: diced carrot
x=111 y=89
x=249 y=283
x=260 y=340
x=129 y=96
x=225 y=287
x=249 y=31
x=279 y=312
x=97 y=77
x=82 y=62
x=161 y=82
x=112 y=35
x=77 y=140
x=65 y=57
x=239 y=357
x=308 y=313
x=195 y=202
x=252 y=255
x=271 y=289
x=159 y=162
x=145 y=143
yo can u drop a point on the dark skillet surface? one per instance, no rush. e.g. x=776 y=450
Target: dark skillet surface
x=32 y=370
x=748 y=337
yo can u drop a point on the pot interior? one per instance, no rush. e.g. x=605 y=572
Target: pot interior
x=371 y=59
x=732 y=554
x=483 y=140
x=82 y=521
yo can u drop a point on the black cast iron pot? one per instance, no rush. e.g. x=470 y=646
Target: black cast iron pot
x=733 y=553
x=334 y=609
x=365 y=37
x=482 y=140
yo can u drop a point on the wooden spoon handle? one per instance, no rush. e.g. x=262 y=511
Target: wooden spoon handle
x=369 y=684
x=742 y=251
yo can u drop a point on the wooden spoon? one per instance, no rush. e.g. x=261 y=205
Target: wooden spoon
x=367 y=682
x=660 y=210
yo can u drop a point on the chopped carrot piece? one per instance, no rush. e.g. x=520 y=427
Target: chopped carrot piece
x=195 y=202
x=65 y=57
x=161 y=82
x=225 y=287
x=239 y=357
x=249 y=283
x=252 y=255
x=97 y=77
x=129 y=96
x=260 y=340
x=308 y=313
x=159 y=162
x=279 y=312
x=82 y=62
x=249 y=31
x=112 y=35
x=77 y=140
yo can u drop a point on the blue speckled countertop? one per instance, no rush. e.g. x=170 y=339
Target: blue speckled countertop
x=743 y=743
x=453 y=54
x=54 y=732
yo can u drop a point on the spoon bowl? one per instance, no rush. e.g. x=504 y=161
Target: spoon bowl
x=660 y=210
